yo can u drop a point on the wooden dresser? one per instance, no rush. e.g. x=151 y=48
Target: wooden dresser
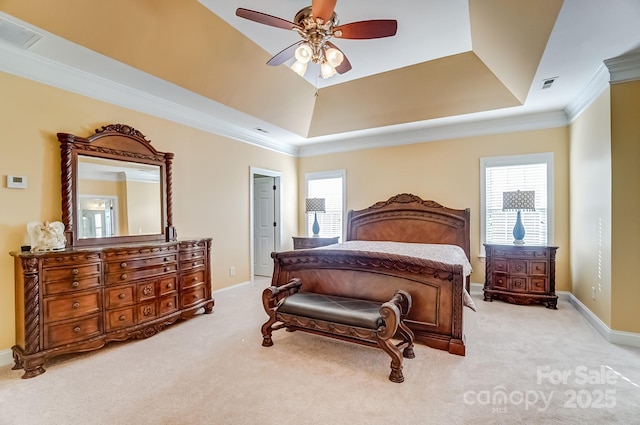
x=521 y=274
x=301 y=242
x=80 y=299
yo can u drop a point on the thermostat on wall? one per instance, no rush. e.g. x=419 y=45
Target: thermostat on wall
x=17 y=182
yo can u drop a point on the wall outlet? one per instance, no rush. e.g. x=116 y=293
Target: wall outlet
x=232 y=271
x=593 y=292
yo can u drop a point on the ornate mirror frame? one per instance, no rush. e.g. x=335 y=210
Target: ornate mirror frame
x=122 y=143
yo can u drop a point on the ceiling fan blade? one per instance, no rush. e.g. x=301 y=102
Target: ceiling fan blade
x=361 y=30
x=345 y=65
x=263 y=18
x=323 y=9
x=284 y=55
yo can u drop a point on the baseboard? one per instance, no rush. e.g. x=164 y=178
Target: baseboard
x=615 y=337
x=6 y=357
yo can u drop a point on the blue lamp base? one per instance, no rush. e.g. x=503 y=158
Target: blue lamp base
x=316 y=226
x=518 y=231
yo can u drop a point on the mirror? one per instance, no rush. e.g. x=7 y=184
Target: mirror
x=118 y=198
x=115 y=188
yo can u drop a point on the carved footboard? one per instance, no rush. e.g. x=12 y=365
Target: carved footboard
x=435 y=288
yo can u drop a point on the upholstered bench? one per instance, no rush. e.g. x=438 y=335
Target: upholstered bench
x=364 y=322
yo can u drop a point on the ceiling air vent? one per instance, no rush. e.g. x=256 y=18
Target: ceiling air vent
x=17 y=35
x=261 y=130
x=548 y=82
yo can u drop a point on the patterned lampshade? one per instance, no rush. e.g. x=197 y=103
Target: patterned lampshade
x=519 y=200
x=315 y=205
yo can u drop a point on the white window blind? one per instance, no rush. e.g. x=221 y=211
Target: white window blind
x=330 y=187
x=506 y=174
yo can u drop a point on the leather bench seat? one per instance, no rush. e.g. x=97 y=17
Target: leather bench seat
x=330 y=308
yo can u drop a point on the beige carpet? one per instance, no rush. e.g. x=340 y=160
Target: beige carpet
x=213 y=370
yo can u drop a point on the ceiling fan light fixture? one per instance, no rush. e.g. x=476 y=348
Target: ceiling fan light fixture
x=326 y=70
x=304 y=53
x=334 y=56
x=300 y=68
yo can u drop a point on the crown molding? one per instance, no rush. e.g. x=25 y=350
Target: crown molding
x=625 y=67
x=438 y=131
x=26 y=64
x=597 y=84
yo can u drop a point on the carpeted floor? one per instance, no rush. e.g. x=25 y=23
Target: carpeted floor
x=524 y=364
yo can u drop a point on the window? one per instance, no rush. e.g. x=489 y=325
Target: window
x=330 y=186
x=510 y=173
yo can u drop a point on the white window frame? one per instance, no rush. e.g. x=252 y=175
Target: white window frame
x=510 y=160
x=328 y=175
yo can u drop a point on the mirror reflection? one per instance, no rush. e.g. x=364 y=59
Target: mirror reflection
x=118 y=198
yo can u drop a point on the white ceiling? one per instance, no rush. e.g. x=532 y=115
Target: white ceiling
x=586 y=33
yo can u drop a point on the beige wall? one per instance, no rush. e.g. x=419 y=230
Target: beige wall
x=211 y=178
x=590 y=218
x=449 y=172
x=625 y=205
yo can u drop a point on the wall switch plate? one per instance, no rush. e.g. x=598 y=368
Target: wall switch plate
x=17 y=182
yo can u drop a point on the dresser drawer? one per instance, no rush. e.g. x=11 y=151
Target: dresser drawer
x=121 y=318
x=71 y=306
x=137 y=263
x=195 y=263
x=131 y=275
x=50 y=274
x=68 y=285
x=147 y=311
x=192 y=296
x=120 y=296
x=168 y=285
x=146 y=290
x=192 y=279
x=168 y=305
x=72 y=331
x=192 y=254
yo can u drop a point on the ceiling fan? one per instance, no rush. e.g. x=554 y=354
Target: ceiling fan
x=317 y=24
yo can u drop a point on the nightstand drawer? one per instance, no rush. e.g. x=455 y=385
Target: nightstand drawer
x=518 y=267
x=518 y=284
x=538 y=285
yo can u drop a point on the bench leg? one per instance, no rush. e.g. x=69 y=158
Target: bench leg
x=396 y=360
x=266 y=332
x=407 y=335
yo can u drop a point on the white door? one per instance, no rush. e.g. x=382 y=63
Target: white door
x=264 y=230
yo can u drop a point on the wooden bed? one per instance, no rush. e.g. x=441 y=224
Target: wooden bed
x=437 y=289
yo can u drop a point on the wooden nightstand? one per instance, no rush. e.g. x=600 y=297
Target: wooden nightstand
x=521 y=274
x=301 y=242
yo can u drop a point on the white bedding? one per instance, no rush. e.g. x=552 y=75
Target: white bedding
x=447 y=254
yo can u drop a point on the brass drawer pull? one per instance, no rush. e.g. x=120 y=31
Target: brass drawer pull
x=122 y=296
x=74 y=284
x=123 y=276
x=195 y=264
x=76 y=305
x=123 y=265
x=74 y=271
x=169 y=304
x=195 y=278
x=76 y=329
x=167 y=269
x=147 y=290
x=122 y=318
x=169 y=285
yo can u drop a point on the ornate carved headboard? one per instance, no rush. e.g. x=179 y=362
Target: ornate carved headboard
x=408 y=218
